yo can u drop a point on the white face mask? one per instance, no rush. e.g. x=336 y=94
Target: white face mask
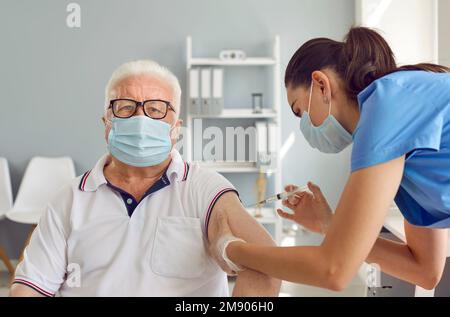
x=329 y=137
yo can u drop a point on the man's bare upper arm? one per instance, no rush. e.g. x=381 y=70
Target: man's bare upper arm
x=20 y=290
x=242 y=224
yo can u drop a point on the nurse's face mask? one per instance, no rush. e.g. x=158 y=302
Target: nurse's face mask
x=329 y=137
x=139 y=140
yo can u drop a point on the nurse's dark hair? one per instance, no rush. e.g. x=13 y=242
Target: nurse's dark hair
x=363 y=57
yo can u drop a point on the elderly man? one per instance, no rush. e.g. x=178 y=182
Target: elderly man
x=139 y=222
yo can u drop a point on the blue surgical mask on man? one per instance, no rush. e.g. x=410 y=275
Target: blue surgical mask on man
x=139 y=141
x=329 y=137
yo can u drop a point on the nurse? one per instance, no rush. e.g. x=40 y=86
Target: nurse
x=398 y=119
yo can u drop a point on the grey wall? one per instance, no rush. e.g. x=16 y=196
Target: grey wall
x=52 y=77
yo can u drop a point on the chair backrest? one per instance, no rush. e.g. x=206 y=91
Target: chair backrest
x=41 y=181
x=6 y=199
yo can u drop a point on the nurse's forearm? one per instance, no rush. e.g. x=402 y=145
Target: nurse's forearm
x=396 y=259
x=305 y=265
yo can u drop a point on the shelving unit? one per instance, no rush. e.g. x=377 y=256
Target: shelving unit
x=240 y=114
x=235 y=167
x=251 y=61
x=269 y=215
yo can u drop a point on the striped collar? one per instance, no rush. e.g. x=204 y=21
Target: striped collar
x=94 y=178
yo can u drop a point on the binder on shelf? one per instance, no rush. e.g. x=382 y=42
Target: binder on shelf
x=261 y=131
x=194 y=91
x=272 y=143
x=217 y=91
x=205 y=93
x=272 y=138
x=263 y=159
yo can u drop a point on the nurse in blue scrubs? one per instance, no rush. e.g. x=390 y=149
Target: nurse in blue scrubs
x=398 y=120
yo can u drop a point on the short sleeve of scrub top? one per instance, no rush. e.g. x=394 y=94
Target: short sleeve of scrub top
x=408 y=113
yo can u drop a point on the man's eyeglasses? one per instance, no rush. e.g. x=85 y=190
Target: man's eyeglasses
x=153 y=108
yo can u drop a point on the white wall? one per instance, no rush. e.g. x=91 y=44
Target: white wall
x=53 y=77
x=444 y=32
x=410 y=26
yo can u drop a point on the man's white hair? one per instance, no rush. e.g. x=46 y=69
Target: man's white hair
x=144 y=67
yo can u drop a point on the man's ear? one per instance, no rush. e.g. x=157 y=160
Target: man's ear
x=175 y=133
x=107 y=128
x=322 y=81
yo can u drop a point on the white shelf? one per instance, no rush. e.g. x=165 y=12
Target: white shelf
x=233 y=167
x=270 y=216
x=240 y=114
x=250 y=61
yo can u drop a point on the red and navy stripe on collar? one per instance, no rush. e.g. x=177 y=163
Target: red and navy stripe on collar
x=83 y=180
x=186 y=171
x=85 y=176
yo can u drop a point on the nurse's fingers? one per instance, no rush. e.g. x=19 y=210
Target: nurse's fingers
x=285 y=215
x=293 y=201
x=316 y=191
x=296 y=198
x=290 y=187
x=286 y=203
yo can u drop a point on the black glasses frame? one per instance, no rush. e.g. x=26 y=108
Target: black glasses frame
x=141 y=104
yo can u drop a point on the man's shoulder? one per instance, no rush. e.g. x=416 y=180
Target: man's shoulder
x=201 y=173
x=67 y=189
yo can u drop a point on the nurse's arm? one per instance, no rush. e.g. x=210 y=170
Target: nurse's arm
x=420 y=261
x=353 y=231
x=244 y=226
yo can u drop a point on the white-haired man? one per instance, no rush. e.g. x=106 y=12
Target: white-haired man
x=139 y=222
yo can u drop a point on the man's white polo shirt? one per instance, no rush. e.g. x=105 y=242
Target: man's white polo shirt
x=94 y=240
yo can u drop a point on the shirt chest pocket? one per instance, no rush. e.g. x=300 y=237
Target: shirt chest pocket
x=178 y=248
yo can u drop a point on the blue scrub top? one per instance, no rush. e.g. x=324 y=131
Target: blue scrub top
x=408 y=113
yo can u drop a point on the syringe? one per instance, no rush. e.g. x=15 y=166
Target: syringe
x=280 y=196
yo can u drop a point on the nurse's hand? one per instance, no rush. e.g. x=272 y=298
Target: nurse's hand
x=310 y=210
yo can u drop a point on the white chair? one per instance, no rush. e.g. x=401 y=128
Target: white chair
x=42 y=180
x=5 y=188
x=5 y=205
